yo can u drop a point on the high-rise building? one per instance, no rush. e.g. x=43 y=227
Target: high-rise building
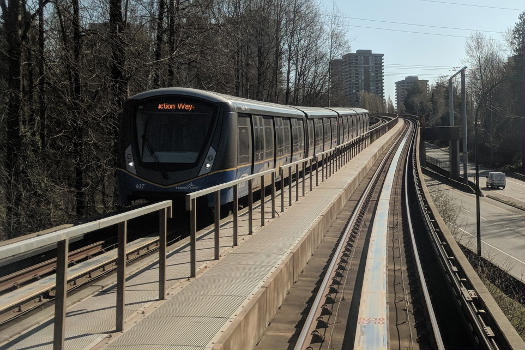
x=406 y=84
x=355 y=73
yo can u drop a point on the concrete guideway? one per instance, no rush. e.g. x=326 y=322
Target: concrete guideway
x=220 y=300
x=372 y=321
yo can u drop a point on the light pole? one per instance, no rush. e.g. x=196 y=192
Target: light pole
x=454 y=145
x=478 y=214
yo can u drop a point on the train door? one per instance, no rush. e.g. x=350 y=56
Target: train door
x=258 y=146
x=269 y=160
x=333 y=125
x=326 y=134
x=279 y=142
x=287 y=138
x=340 y=130
x=310 y=125
x=300 y=135
x=295 y=139
x=318 y=135
x=244 y=151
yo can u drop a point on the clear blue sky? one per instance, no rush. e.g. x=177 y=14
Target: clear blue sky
x=369 y=26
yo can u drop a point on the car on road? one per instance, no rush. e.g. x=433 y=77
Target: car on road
x=496 y=179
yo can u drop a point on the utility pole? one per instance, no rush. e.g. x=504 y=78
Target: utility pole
x=464 y=115
x=454 y=145
x=478 y=213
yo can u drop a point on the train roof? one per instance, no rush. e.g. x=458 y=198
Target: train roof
x=237 y=104
x=244 y=105
x=348 y=111
x=317 y=112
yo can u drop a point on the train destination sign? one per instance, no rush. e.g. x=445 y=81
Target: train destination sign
x=188 y=107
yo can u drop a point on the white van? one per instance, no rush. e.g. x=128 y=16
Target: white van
x=496 y=179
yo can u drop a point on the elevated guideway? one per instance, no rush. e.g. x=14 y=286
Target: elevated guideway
x=231 y=300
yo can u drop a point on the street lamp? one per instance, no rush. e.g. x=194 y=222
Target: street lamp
x=478 y=215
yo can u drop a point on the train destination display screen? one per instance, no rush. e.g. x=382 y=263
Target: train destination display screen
x=173 y=131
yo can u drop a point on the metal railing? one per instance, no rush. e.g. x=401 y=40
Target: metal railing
x=330 y=161
x=24 y=248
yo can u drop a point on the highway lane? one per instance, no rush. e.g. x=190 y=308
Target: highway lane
x=502 y=228
x=514 y=188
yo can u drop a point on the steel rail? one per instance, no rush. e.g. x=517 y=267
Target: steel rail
x=429 y=308
x=479 y=326
x=361 y=205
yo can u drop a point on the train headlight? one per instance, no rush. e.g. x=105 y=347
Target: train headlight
x=208 y=161
x=130 y=164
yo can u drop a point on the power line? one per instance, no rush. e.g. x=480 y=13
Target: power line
x=409 y=31
x=414 y=24
x=471 y=5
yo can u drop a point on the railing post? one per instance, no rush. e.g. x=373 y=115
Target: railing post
x=316 y=171
x=281 y=174
x=217 y=247
x=121 y=274
x=289 y=186
x=61 y=294
x=162 y=252
x=262 y=200
x=304 y=174
x=330 y=162
x=273 y=194
x=235 y=215
x=311 y=173
x=250 y=206
x=322 y=167
x=296 y=182
x=193 y=240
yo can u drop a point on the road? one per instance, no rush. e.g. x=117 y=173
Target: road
x=502 y=228
x=514 y=189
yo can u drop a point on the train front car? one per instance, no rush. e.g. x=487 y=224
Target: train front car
x=170 y=144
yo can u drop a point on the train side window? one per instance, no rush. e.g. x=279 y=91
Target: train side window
x=244 y=142
x=286 y=138
x=268 y=138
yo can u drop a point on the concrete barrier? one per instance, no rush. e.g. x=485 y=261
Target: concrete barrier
x=508 y=332
x=249 y=325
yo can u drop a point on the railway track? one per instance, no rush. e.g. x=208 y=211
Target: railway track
x=325 y=321
x=430 y=300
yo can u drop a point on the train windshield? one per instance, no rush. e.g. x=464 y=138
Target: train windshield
x=174 y=132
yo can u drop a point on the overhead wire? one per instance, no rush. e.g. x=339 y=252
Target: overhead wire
x=472 y=5
x=413 y=24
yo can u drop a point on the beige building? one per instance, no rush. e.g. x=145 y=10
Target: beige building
x=406 y=84
x=357 y=72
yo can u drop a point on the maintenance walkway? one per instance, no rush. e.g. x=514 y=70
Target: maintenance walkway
x=231 y=300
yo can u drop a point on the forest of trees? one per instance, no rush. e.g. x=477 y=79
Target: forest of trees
x=495 y=92
x=66 y=66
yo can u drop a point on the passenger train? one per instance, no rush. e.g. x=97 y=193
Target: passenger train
x=178 y=140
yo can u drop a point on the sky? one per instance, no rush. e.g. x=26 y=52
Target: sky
x=421 y=37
